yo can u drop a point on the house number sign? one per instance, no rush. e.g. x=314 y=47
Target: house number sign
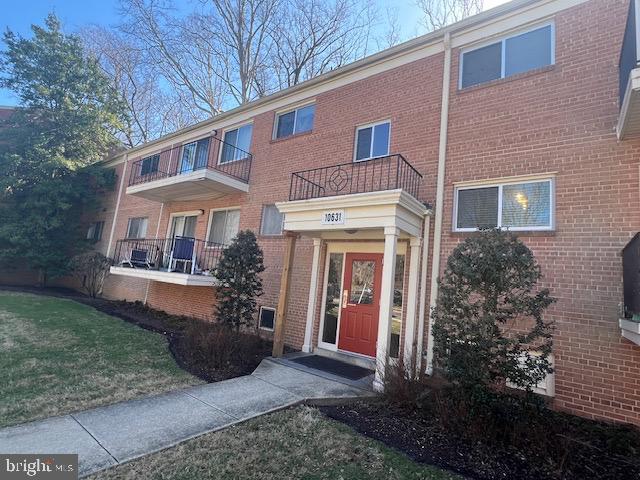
x=334 y=217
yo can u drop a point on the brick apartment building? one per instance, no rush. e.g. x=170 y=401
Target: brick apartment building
x=524 y=117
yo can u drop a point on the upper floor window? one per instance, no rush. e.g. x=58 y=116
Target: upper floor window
x=137 y=227
x=223 y=226
x=237 y=143
x=150 y=164
x=511 y=55
x=272 y=221
x=514 y=206
x=372 y=141
x=94 y=232
x=194 y=156
x=296 y=121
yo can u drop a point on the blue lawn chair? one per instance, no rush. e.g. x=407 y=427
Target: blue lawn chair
x=183 y=251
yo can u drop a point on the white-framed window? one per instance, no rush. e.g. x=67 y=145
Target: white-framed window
x=372 y=141
x=295 y=121
x=137 y=227
x=223 y=226
x=267 y=318
x=517 y=205
x=237 y=143
x=515 y=53
x=150 y=164
x=94 y=232
x=272 y=220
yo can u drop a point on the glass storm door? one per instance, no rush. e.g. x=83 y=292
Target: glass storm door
x=360 y=303
x=184 y=226
x=188 y=158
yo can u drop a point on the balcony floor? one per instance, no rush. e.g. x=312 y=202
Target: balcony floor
x=200 y=184
x=166 y=276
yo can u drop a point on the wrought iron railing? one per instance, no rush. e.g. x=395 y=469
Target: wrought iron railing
x=178 y=254
x=209 y=153
x=631 y=277
x=378 y=174
x=629 y=53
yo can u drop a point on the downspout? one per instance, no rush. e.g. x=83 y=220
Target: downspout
x=423 y=291
x=115 y=214
x=146 y=293
x=442 y=153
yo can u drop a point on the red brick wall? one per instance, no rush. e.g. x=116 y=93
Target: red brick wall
x=559 y=119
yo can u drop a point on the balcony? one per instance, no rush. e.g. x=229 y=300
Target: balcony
x=629 y=87
x=205 y=169
x=355 y=200
x=376 y=175
x=178 y=260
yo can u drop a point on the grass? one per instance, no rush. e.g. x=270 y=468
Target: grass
x=58 y=356
x=298 y=443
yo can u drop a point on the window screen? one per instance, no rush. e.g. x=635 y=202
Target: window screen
x=482 y=65
x=478 y=208
x=149 y=165
x=95 y=231
x=526 y=205
x=267 y=318
x=372 y=142
x=237 y=144
x=296 y=121
x=271 y=221
x=528 y=51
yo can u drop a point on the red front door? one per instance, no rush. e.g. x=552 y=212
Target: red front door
x=360 y=303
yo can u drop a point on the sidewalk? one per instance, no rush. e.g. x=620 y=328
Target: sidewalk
x=106 y=436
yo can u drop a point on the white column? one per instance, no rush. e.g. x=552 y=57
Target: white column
x=411 y=301
x=386 y=304
x=313 y=296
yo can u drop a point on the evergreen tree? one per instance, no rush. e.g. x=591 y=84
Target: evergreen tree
x=238 y=272
x=66 y=121
x=488 y=317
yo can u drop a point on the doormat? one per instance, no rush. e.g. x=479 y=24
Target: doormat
x=336 y=367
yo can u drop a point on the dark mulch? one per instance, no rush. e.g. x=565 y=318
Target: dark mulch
x=594 y=454
x=174 y=327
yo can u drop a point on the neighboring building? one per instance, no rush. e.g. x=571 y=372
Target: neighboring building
x=510 y=118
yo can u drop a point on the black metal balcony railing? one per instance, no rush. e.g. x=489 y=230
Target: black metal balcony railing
x=629 y=53
x=378 y=174
x=631 y=277
x=206 y=154
x=178 y=254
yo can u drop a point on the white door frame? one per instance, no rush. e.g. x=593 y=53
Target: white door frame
x=376 y=246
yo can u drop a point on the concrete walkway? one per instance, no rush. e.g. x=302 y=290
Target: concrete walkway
x=107 y=436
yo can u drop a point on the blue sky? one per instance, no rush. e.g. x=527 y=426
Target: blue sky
x=19 y=15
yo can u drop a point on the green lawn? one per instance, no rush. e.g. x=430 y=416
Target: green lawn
x=299 y=443
x=59 y=356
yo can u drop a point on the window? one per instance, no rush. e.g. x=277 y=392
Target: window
x=372 y=141
x=512 y=55
x=237 y=143
x=514 y=206
x=223 y=226
x=296 y=121
x=194 y=156
x=137 y=227
x=94 y=232
x=332 y=302
x=267 y=318
x=272 y=221
x=396 y=317
x=150 y=164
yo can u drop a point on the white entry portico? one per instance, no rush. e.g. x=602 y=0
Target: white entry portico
x=369 y=230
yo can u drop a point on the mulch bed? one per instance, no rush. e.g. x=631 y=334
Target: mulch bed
x=171 y=326
x=424 y=440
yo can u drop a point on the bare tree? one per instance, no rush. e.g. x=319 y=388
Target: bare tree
x=392 y=33
x=314 y=36
x=185 y=58
x=439 y=13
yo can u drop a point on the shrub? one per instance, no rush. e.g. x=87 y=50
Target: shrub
x=238 y=273
x=488 y=317
x=91 y=268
